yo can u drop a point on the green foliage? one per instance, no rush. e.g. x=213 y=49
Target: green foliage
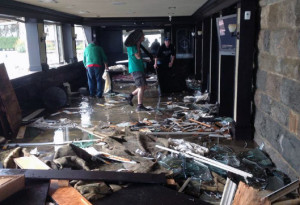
x=50 y=45
x=20 y=46
x=8 y=43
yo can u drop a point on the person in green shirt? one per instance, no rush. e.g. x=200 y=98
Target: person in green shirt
x=95 y=60
x=136 y=68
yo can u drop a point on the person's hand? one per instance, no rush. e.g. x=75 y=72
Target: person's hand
x=106 y=69
x=170 y=64
x=155 y=66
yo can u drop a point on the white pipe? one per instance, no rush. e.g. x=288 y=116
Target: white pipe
x=209 y=161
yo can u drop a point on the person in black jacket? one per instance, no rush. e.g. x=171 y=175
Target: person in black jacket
x=163 y=62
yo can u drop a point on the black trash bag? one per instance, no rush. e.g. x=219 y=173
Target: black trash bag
x=54 y=98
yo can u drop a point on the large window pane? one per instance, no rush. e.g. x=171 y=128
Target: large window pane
x=13 y=47
x=81 y=42
x=54 y=45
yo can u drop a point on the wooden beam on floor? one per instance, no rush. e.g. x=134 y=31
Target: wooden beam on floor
x=10 y=185
x=113 y=177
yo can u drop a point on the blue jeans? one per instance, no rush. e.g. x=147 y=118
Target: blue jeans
x=94 y=75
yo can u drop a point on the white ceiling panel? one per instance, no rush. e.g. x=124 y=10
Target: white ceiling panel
x=121 y=8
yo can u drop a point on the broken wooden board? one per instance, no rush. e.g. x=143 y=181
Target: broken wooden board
x=35 y=193
x=247 y=195
x=68 y=195
x=10 y=185
x=21 y=132
x=33 y=115
x=10 y=105
x=30 y=162
x=107 y=176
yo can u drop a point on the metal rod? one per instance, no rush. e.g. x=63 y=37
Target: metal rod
x=47 y=143
x=209 y=161
x=283 y=191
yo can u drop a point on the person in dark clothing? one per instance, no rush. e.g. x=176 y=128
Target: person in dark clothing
x=154 y=47
x=163 y=62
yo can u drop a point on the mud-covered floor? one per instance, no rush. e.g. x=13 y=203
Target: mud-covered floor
x=86 y=112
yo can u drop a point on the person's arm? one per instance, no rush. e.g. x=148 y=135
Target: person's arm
x=155 y=63
x=157 y=56
x=172 y=56
x=84 y=59
x=104 y=58
x=138 y=53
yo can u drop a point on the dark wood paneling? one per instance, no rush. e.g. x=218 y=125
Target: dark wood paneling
x=206 y=53
x=29 y=89
x=214 y=62
x=248 y=35
x=227 y=85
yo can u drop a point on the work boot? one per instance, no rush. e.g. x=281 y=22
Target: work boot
x=129 y=99
x=141 y=108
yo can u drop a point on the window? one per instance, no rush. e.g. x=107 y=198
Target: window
x=13 y=47
x=81 y=41
x=151 y=38
x=54 y=45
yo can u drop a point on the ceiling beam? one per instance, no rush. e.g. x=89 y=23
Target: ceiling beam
x=138 y=21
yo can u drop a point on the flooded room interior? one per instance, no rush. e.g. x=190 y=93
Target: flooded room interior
x=150 y=102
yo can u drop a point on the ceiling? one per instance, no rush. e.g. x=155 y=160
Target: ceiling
x=121 y=8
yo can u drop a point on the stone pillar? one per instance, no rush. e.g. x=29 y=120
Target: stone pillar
x=277 y=97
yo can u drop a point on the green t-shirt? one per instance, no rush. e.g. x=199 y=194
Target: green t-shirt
x=94 y=55
x=134 y=64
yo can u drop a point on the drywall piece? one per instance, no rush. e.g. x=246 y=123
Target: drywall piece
x=10 y=185
x=31 y=162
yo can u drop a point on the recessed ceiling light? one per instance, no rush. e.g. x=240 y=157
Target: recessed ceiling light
x=118 y=3
x=49 y=1
x=83 y=12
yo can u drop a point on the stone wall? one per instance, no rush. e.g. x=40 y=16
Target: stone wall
x=277 y=97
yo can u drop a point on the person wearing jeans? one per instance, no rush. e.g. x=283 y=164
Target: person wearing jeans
x=95 y=61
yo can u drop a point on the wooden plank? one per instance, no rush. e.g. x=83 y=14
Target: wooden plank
x=9 y=101
x=247 y=195
x=113 y=177
x=21 y=132
x=10 y=185
x=33 y=115
x=68 y=196
x=31 y=162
